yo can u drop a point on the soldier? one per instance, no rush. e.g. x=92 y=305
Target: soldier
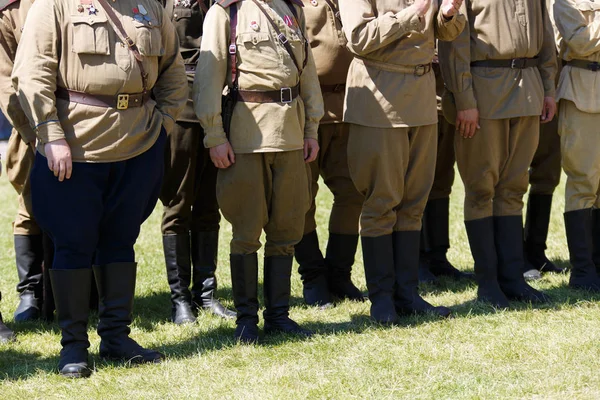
x=190 y=224
x=392 y=142
x=260 y=52
x=6 y=335
x=101 y=83
x=577 y=25
x=501 y=72
x=323 y=278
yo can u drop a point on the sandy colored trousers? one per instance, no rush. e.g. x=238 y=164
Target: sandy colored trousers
x=19 y=161
x=267 y=191
x=393 y=168
x=332 y=165
x=444 y=166
x=580 y=144
x=188 y=191
x=544 y=173
x=494 y=166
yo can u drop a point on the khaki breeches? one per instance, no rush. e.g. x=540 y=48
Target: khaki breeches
x=494 y=166
x=267 y=191
x=332 y=165
x=393 y=169
x=579 y=142
x=544 y=173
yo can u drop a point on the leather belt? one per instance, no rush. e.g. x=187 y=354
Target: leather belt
x=417 y=70
x=121 y=101
x=283 y=95
x=333 y=88
x=515 y=63
x=583 y=64
x=190 y=68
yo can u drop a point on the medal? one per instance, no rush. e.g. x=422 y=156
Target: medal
x=314 y=3
x=288 y=21
x=254 y=25
x=138 y=18
x=142 y=9
x=80 y=8
x=92 y=10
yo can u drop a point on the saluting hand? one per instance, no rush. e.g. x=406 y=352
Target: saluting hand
x=421 y=7
x=311 y=150
x=222 y=155
x=467 y=122
x=549 y=110
x=58 y=154
x=449 y=8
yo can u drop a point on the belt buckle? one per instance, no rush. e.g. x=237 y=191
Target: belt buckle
x=594 y=66
x=518 y=63
x=122 y=102
x=286 y=95
x=282 y=38
x=422 y=69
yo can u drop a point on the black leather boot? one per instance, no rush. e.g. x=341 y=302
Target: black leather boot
x=537 y=222
x=436 y=220
x=116 y=287
x=244 y=284
x=278 y=272
x=378 y=256
x=6 y=335
x=205 y=248
x=425 y=275
x=584 y=275
x=596 y=238
x=313 y=271
x=508 y=236
x=72 y=298
x=29 y=254
x=341 y=250
x=483 y=248
x=406 y=265
x=179 y=275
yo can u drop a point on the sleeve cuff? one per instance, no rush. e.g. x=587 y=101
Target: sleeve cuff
x=50 y=131
x=550 y=93
x=168 y=122
x=465 y=100
x=27 y=134
x=311 y=131
x=412 y=22
x=214 y=136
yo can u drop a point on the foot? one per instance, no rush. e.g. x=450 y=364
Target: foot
x=316 y=291
x=524 y=292
x=73 y=362
x=420 y=307
x=6 y=335
x=182 y=313
x=285 y=325
x=591 y=284
x=28 y=309
x=548 y=266
x=246 y=333
x=541 y=263
x=383 y=311
x=492 y=294
x=444 y=268
x=126 y=349
x=215 y=307
x=345 y=289
x=425 y=275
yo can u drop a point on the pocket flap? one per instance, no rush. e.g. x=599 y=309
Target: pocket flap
x=253 y=37
x=89 y=19
x=588 y=6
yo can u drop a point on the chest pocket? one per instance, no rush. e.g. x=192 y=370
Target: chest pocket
x=90 y=34
x=590 y=10
x=257 y=51
x=148 y=39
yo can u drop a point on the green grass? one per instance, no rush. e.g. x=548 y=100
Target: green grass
x=543 y=352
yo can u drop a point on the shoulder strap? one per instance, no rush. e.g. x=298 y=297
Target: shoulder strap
x=5 y=3
x=335 y=10
x=120 y=31
x=202 y=5
x=227 y=3
x=233 y=19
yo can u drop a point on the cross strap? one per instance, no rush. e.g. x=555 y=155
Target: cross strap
x=335 y=10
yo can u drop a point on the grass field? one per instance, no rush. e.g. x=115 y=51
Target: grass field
x=546 y=352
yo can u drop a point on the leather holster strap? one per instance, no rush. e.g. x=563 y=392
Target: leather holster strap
x=333 y=88
x=515 y=63
x=585 y=64
x=121 y=101
x=284 y=95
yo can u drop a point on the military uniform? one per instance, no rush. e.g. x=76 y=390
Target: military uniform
x=503 y=64
x=108 y=79
x=578 y=89
x=279 y=106
x=190 y=224
x=323 y=277
x=392 y=143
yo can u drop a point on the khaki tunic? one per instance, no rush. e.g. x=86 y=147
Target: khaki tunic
x=263 y=65
x=388 y=41
x=62 y=47
x=500 y=30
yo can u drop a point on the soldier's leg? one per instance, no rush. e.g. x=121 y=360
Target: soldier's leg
x=544 y=177
x=479 y=160
x=288 y=199
x=177 y=197
x=242 y=193
x=345 y=213
x=521 y=141
x=308 y=254
x=418 y=169
x=377 y=160
x=29 y=250
x=579 y=140
x=205 y=236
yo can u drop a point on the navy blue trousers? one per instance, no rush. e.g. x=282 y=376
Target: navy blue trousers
x=95 y=216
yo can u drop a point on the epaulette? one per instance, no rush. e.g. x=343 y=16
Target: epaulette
x=299 y=3
x=223 y=3
x=6 y=3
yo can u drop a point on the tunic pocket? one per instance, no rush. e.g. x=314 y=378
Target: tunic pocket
x=257 y=51
x=590 y=10
x=148 y=39
x=90 y=34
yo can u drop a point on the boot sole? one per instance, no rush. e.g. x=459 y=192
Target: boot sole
x=136 y=360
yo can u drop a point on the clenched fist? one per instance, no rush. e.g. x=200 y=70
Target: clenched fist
x=421 y=7
x=449 y=8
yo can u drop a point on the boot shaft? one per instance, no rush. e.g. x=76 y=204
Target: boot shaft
x=205 y=250
x=406 y=265
x=378 y=256
x=435 y=228
x=29 y=255
x=508 y=237
x=244 y=284
x=311 y=262
x=178 y=265
x=341 y=251
x=537 y=222
x=480 y=233
x=277 y=286
x=578 y=226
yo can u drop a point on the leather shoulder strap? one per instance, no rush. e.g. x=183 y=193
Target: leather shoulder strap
x=299 y=3
x=233 y=20
x=227 y=3
x=335 y=10
x=5 y=3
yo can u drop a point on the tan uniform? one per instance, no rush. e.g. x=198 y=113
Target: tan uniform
x=494 y=163
x=266 y=188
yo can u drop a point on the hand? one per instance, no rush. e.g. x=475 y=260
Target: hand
x=467 y=122
x=311 y=149
x=449 y=8
x=421 y=7
x=222 y=155
x=58 y=154
x=549 y=110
